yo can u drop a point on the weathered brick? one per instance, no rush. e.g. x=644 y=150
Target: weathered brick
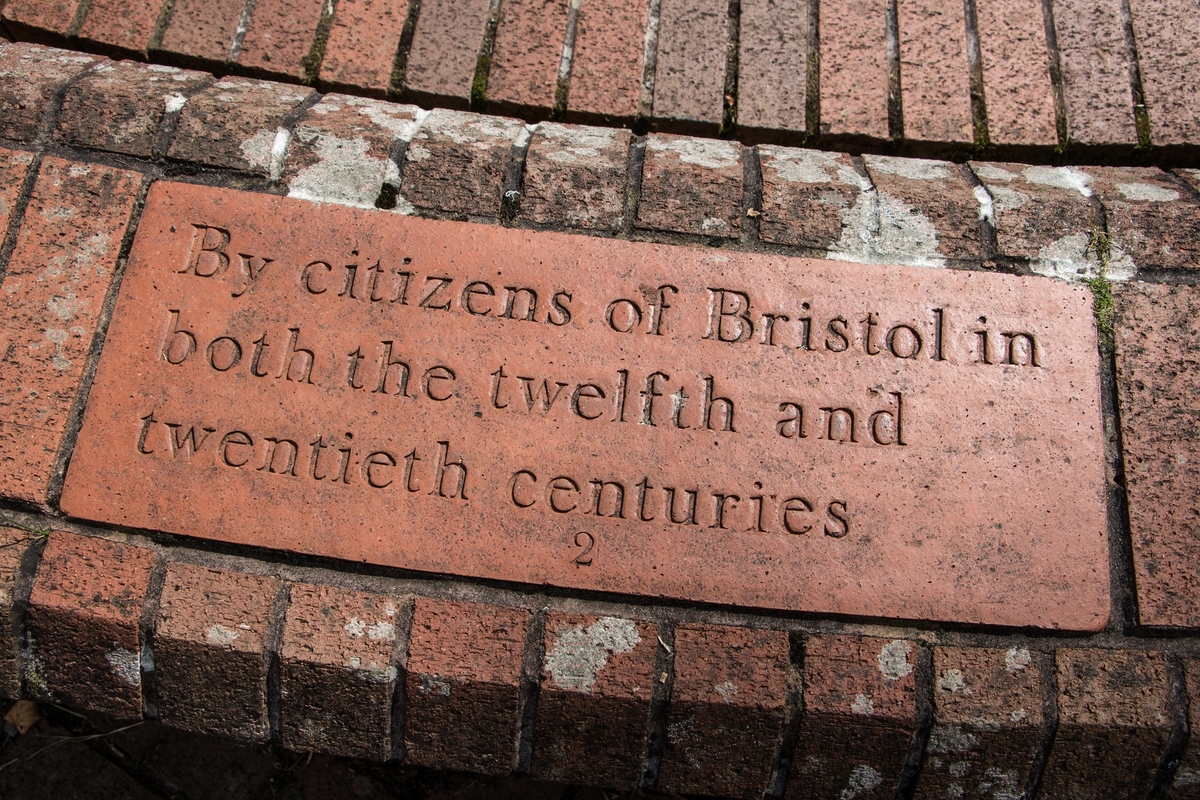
x=1114 y=720
x=462 y=686
x=1187 y=777
x=691 y=185
x=987 y=725
x=1095 y=68
x=1191 y=177
x=29 y=76
x=859 y=714
x=575 y=176
x=13 y=545
x=14 y=165
x=527 y=54
x=336 y=675
x=202 y=31
x=235 y=123
x=1170 y=67
x=773 y=65
x=1158 y=383
x=209 y=654
x=727 y=710
x=594 y=706
x=39 y=19
x=854 y=81
x=445 y=49
x=1044 y=214
x=689 y=79
x=121 y=25
x=934 y=84
x=280 y=36
x=927 y=210
x=1151 y=218
x=457 y=161
x=119 y=105
x=1016 y=73
x=606 y=67
x=362 y=44
x=54 y=291
x=83 y=624
x=808 y=197
x=340 y=149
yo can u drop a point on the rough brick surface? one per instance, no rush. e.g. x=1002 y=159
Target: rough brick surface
x=456 y=162
x=1114 y=719
x=1170 y=67
x=445 y=48
x=1095 y=70
x=773 y=64
x=121 y=24
x=606 y=69
x=527 y=53
x=594 y=706
x=854 y=83
x=575 y=176
x=336 y=675
x=203 y=30
x=13 y=545
x=987 y=725
x=691 y=185
x=362 y=44
x=1045 y=215
x=37 y=18
x=280 y=36
x=1151 y=218
x=727 y=710
x=462 y=686
x=119 y=106
x=934 y=86
x=14 y=165
x=1016 y=73
x=209 y=654
x=235 y=123
x=53 y=294
x=809 y=198
x=927 y=210
x=1158 y=383
x=1187 y=777
x=29 y=76
x=860 y=710
x=340 y=149
x=83 y=624
x=689 y=80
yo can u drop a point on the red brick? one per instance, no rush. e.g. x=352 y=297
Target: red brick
x=727 y=710
x=1157 y=338
x=280 y=36
x=987 y=726
x=336 y=673
x=606 y=67
x=773 y=65
x=1091 y=45
x=594 y=705
x=1190 y=176
x=13 y=545
x=809 y=196
x=121 y=24
x=362 y=44
x=29 y=76
x=463 y=686
x=14 y=164
x=54 y=291
x=457 y=161
x=859 y=715
x=235 y=123
x=209 y=653
x=119 y=106
x=1016 y=73
x=1114 y=720
x=1170 y=67
x=854 y=80
x=1151 y=217
x=203 y=30
x=445 y=49
x=84 y=624
x=1187 y=777
x=527 y=54
x=934 y=83
x=927 y=211
x=689 y=79
x=575 y=176
x=691 y=185
x=39 y=19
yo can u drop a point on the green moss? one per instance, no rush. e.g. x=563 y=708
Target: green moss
x=1101 y=286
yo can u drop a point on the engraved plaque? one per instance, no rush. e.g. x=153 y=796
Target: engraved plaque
x=662 y=421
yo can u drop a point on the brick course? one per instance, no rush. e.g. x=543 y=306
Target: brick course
x=773 y=65
x=445 y=50
x=575 y=176
x=280 y=36
x=527 y=54
x=606 y=70
x=935 y=92
x=691 y=185
x=854 y=82
x=1095 y=72
x=121 y=25
x=29 y=75
x=689 y=82
x=362 y=44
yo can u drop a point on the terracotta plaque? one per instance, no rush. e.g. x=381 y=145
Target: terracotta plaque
x=652 y=420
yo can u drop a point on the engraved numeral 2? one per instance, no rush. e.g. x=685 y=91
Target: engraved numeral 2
x=587 y=542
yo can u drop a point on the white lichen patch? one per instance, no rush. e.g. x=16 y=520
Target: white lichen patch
x=862 y=705
x=951 y=680
x=987 y=211
x=432 y=684
x=959 y=769
x=862 y=779
x=381 y=632
x=893 y=660
x=579 y=655
x=1074 y=258
x=573 y=144
x=372 y=671
x=1017 y=659
x=798 y=165
x=707 y=153
x=1147 y=193
x=913 y=169
x=462 y=127
x=1018 y=715
x=126 y=664
x=1070 y=178
x=951 y=739
x=173 y=102
x=881 y=229
x=345 y=172
x=220 y=636
x=524 y=135
x=1001 y=784
x=713 y=225
x=992 y=172
x=727 y=690
x=355 y=627
x=1007 y=199
x=257 y=149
